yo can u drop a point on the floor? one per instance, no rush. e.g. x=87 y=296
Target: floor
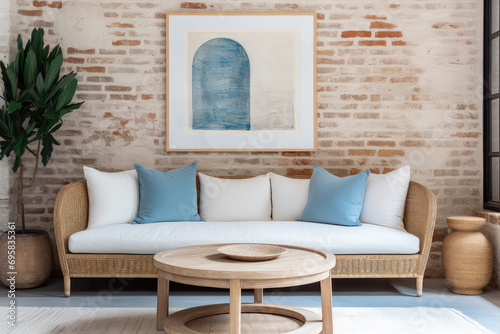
x=485 y=308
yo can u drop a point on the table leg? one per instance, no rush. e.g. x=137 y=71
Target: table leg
x=162 y=302
x=258 y=295
x=326 y=305
x=235 y=307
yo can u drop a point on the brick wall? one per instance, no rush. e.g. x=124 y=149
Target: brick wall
x=398 y=83
x=4 y=165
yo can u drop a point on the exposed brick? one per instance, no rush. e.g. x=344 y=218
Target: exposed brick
x=40 y=3
x=398 y=43
x=466 y=134
x=375 y=17
x=123 y=97
x=380 y=143
x=388 y=34
x=304 y=171
x=74 y=60
x=366 y=115
x=55 y=4
x=43 y=24
x=118 y=88
x=351 y=143
x=126 y=42
x=381 y=25
x=111 y=15
x=83 y=87
x=193 y=5
x=356 y=97
x=100 y=79
x=286 y=5
x=355 y=171
x=147 y=96
x=120 y=25
x=91 y=97
x=412 y=143
x=26 y=12
x=341 y=43
x=351 y=34
x=362 y=152
x=404 y=79
x=78 y=51
x=372 y=43
x=445 y=25
x=296 y=154
x=92 y=69
x=391 y=153
x=326 y=52
x=112 y=52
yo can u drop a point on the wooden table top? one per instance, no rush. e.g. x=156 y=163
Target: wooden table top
x=205 y=262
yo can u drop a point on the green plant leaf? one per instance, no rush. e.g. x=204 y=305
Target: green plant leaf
x=53 y=72
x=47 y=148
x=67 y=94
x=51 y=114
x=20 y=144
x=5 y=150
x=56 y=127
x=13 y=106
x=15 y=64
x=40 y=85
x=19 y=42
x=37 y=42
x=55 y=51
x=25 y=95
x=17 y=162
x=65 y=80
x=12 y=82
x=69 y=108
x=30 y=127
x=30 y=68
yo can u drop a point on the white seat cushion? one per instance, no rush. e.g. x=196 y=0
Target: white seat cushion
x=153 y=238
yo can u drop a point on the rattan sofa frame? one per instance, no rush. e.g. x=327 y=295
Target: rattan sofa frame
x=71 y=216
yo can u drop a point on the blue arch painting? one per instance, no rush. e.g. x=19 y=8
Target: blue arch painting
x=221 y=86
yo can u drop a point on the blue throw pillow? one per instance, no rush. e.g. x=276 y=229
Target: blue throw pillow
x=335 y=200
x=167 y=196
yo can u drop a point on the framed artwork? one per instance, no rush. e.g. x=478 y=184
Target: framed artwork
x=241 y=82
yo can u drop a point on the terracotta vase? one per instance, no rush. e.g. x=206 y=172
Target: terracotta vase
x=467 y=256
x=33 y=259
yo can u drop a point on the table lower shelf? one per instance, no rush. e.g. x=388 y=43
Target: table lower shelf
x=176 y=323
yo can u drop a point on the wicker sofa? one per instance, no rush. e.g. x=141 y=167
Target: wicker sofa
x=71 y=216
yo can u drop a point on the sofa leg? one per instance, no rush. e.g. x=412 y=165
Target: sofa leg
x=67 y=286
x=420 y=285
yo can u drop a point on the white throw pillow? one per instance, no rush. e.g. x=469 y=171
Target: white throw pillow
x=235 y=199
x=385 y=198
x=289 y=197
x=113 y=197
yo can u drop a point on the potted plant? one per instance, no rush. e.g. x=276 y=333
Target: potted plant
x=35 y=98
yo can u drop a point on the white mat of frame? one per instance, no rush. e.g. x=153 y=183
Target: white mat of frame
x=85 y=320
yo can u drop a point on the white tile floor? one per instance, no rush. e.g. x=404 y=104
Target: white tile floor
x=485 y=308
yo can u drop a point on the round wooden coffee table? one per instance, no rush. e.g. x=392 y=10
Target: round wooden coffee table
x=204 y=266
